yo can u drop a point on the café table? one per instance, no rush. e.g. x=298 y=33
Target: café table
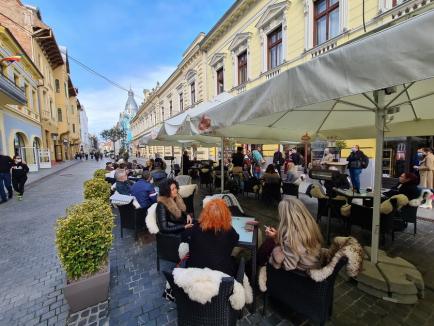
x=248 y=240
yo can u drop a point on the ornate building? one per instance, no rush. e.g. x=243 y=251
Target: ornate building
x=125 y=118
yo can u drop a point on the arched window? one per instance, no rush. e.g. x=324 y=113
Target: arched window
x=18 y=143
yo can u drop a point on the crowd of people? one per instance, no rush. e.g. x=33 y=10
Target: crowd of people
x=85 y=156
x=13 y=176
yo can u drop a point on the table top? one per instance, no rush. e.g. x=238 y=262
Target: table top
x=238 y=223
x=336 y=163
x=351 y=194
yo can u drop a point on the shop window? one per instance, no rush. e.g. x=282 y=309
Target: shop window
x=326 y=20
x=274 y=45
x=242 y=68
x=220 y=81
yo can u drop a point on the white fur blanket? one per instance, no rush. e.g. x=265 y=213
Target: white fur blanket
x=341 y=247
x=151 y=219
x=187 y=190
x=201 y=285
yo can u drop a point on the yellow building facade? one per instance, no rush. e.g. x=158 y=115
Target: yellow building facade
x=256 y=40
x=20 y=131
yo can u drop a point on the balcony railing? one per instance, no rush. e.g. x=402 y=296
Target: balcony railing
x=15 y=95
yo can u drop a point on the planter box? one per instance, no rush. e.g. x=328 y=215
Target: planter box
x=88 y=292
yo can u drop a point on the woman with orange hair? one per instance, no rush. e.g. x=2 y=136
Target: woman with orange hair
x=213 y=239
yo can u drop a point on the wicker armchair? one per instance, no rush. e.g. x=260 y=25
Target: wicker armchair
x=301 y=294
x=290 y=189
x=407 y=214
x=218 y=312
x=131 y=218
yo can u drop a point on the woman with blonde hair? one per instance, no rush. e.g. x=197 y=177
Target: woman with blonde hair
x=296 y=244
x=213 y=239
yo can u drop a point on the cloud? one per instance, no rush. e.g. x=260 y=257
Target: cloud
x=103 y=105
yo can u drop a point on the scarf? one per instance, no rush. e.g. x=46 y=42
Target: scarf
x=175 y=206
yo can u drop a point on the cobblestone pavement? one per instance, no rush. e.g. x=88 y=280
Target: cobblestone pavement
x=31 y=278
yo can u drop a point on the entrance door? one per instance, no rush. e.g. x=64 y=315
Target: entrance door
x=58 y=152
x=29 y=153
x=44 y=158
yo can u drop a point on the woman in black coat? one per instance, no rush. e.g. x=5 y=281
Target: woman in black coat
x=171 y=211
x=213 y=239
x=19 y=175
x=408 y=186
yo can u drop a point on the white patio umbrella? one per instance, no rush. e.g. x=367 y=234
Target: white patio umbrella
x=380 y=85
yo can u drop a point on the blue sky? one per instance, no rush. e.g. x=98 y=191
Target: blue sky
x=137 y=42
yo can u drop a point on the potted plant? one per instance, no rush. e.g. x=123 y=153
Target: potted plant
x=100 y=173
x=97 y=188
x=83 y=240
x=340 y=145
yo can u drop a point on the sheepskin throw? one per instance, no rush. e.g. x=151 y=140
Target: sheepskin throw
x=187 y=190
x=202 y=284
x=151 y=219
x=387 y=207
x=341 y=247
x=316 y=191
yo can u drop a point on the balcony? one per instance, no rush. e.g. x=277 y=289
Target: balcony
x=10 y=93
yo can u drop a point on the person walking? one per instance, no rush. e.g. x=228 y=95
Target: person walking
x=258 y=161
x=357 y=161
x=278 y=161
x=426 y=169
x=5 y=177
x=19 y=176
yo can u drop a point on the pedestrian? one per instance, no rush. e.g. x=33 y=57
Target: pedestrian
x=97 y=156
x=186 y=164
x=278 y=161
x=87 y=156
x=258 y=161
x=19 y=176
x=296 y=158
x=426 y=169
x=5 y=177
x=357 y=161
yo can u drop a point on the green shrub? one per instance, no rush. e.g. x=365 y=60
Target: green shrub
x=97 y=188
x=100 y=173
x=84 y=238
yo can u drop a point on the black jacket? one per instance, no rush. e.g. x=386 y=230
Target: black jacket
x=238 y=159
x=355 y=160
x=278 y=158
x=5 y=164
x=19 y=170
x=167 y=222
x=408 y=189
x=213 y=250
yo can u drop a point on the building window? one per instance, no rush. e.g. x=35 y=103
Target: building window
x=397 y=2
x=193 y=92
x=274 y=44
x=326 y=20
x=51 y=109
x=35 y=101
x=220 y=81
x=170 y=108
x=57 y=86
x=162 y=113
x=181 y=102
x=17 y=80
x=242 y=68
x=27 y=93
x=59 y=115
x=66 y=90
x=73 y=128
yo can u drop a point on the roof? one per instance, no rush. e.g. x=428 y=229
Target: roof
x=46 y=40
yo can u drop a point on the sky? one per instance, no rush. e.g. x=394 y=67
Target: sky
x=133 y=42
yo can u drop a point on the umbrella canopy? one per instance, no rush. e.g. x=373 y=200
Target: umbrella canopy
x=333 y=95
x=380 y=85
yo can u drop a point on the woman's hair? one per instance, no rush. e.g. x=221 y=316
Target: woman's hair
x=215 y=216
x=411 y=178
x=297 y=228
x=270 y=169
x=164 y=189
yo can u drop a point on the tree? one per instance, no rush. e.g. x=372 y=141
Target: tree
x=114 y=134
x=93 y=142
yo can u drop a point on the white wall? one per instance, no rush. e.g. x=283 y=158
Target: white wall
x=85 y=142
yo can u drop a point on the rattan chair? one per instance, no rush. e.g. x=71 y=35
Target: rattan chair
x=131 y=218
x=218 y=312
x=167 y=247
x=296 y=290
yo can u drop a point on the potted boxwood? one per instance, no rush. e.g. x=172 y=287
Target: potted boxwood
x=83 y=239
x=100 y=173
x=97 y=188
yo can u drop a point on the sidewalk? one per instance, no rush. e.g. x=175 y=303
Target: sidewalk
x=43 y=173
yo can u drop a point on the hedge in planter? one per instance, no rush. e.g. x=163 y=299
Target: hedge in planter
x=84 y=238
x=97 y=188
x=100 y=173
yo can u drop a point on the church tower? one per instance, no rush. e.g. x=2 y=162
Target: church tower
x=131 y=109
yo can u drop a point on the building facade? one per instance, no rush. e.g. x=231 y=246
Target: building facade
x=38 y=43
x=20 y=132
x=256 y=40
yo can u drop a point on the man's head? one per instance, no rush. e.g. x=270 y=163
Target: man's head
x=146 y=175
x=239 y=149
x=121 y=175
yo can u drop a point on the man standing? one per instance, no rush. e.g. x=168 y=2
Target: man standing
x=5 y=177
x=258 y=161
x=278 y=161
x=357 y=161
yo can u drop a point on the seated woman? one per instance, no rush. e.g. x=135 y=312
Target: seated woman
x=296 y=244
x=270 y=175
x=407 y=185
x=213 y=239
x=171 y=210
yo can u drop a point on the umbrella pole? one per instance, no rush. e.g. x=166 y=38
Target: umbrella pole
x=222 y=166
x=379 y=126
x=182 y=159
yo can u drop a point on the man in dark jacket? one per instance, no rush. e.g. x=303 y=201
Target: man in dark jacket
x=144 y=191
x=238 y=158
x=5 y=177
x=356 y=162
x=278 y=161
x=19 y=176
